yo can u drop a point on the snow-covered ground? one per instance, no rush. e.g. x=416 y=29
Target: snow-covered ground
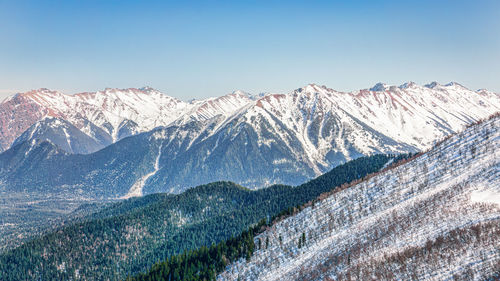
x=436 y=217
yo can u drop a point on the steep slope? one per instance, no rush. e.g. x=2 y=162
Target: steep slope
x=205 y=109
x=434 y=218
x=107 y=173
x=385 y=111
x=66 y=136
x=108 y=115
x=117 y=113
x=290 y=138
x=131 y=235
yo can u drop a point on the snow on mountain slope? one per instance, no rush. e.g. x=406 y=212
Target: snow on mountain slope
x=147 y=107
x=316 y=130
x=410 y=115
x=436 y=217
x=64 y=135
x=116 y=112
x=413 y=114
x=323 y=128
x=289 y=138
x=208 y=108
x=251 y=140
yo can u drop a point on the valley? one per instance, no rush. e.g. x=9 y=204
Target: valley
x=130 y=235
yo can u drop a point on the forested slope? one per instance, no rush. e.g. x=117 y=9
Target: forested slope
x=128 y=237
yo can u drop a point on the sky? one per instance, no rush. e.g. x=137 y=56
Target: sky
x=197 y=49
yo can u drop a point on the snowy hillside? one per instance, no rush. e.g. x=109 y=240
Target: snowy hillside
x=436 y=217
x=65 y=135
x=116 y=113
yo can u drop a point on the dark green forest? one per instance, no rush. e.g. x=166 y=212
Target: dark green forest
x=205 y=262
x=196 y=232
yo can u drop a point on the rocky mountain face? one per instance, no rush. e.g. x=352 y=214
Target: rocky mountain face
x=65 y=136
x=254 y=141
x=106 y=116
x=110 y=115
x=436 y=217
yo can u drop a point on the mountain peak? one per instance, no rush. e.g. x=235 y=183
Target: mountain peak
x=406 y=85
x=117 y=90
x=31 y=93
x=455 y=85
x=147 y=89
x=41 y=95
x=310 y=88
x=379 y=87
x=240 y=93
x=40 y=91
x=432 y=85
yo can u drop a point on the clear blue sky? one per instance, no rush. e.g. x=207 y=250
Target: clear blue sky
x=194 y=49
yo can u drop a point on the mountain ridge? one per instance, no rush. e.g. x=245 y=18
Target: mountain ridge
x=277 y=138
x=109 y=108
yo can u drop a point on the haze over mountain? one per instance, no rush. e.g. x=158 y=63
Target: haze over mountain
x=251 y=140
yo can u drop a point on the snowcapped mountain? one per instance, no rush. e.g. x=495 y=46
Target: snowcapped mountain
x=436 y=217
x=66 y=136
x=251 y=140
x=110 y=115
x=200 y=110
x=312 y=129
x=106 y=116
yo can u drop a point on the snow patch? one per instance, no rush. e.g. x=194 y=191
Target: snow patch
x=485 y=196
x=137 y=187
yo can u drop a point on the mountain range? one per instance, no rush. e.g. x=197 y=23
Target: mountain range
x=61 y=151
x=104 y=116
x=124 y=143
